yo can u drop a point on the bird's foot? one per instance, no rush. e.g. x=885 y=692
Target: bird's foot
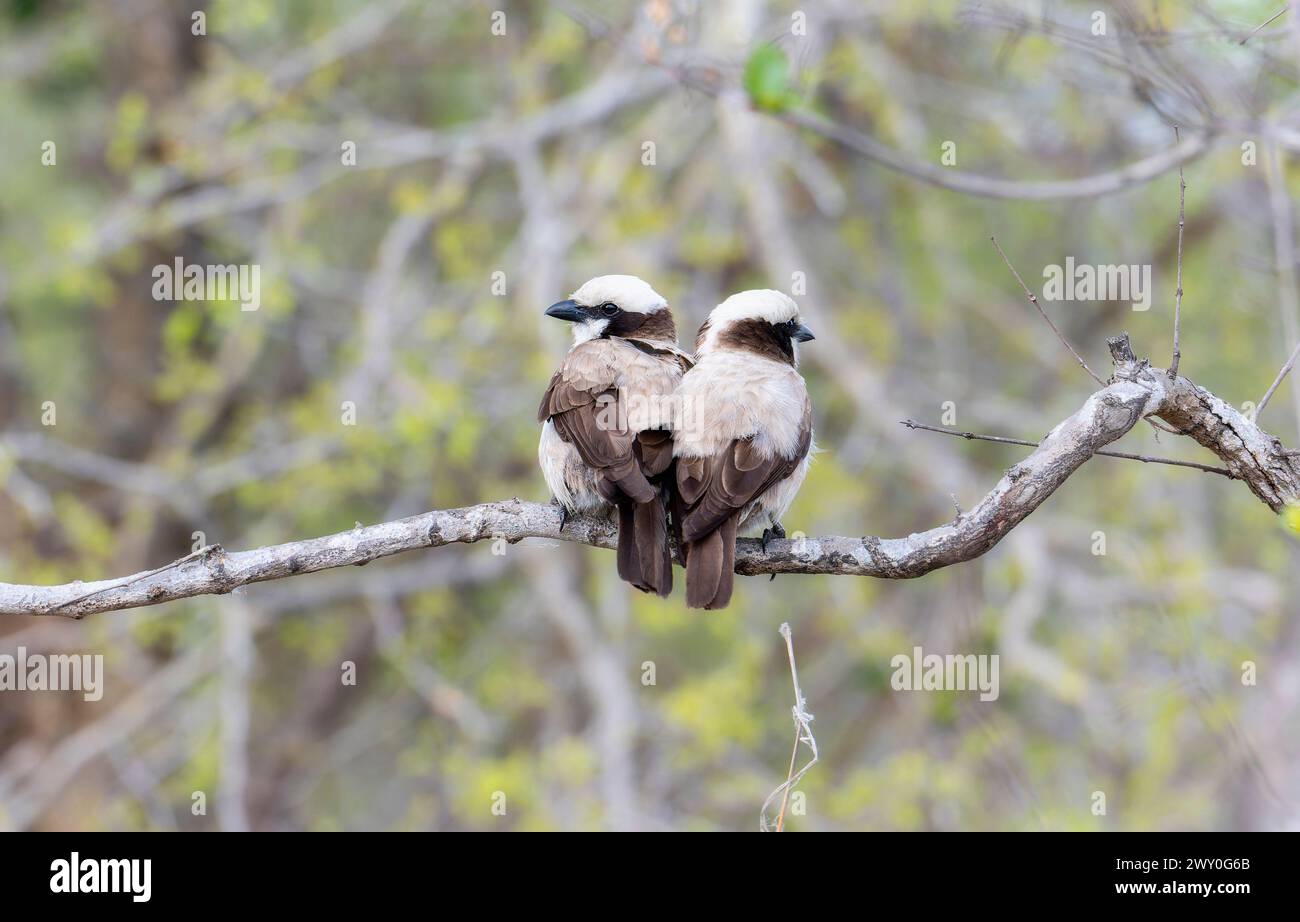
x=775 y=531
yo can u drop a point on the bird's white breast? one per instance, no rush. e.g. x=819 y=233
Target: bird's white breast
x=736 y=395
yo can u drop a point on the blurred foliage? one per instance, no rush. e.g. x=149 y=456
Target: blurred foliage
x=521 y=675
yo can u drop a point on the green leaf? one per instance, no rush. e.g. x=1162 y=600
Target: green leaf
x=767 y=79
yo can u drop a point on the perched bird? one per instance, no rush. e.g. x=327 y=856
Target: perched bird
x=745 y=441
x=606 y=421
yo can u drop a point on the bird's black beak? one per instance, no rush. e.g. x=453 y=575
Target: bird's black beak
x=803 y=334
x=566 y=310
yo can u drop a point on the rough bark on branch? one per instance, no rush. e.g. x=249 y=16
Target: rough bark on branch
x=1135 y=391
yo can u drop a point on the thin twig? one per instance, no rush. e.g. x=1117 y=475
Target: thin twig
x=1033 y=299
x=802 y=734
x=1284 y=266
x=1146 y=459
x=1286 y=369
x=1253 y=32
x=1178 y=292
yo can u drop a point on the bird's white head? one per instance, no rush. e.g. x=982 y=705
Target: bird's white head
x=761 y=321
x=616 y=305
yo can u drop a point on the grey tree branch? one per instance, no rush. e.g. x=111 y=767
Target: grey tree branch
x=1136 y=391
x=1134 y=173
x=1096 y=185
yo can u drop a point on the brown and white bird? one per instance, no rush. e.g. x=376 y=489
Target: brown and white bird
x=744 y=443
x=606 y=428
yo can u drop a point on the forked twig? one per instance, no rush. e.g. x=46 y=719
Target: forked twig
x=802 y=734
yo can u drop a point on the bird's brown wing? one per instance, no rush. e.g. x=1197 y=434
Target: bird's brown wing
x=581 y=401
x=684 y=360
x=655 y=449
x=714 y=488
x=588 y=420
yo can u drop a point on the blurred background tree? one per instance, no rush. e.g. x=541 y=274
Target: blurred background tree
x=499 y=162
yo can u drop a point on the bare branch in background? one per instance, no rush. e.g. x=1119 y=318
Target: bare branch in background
x=235 y=672
x=1099 y=184
x=1106 y=183
x=24 y=804
x=362 y=30
x=1178 y=291
x=1255 y=31
x=1284 y=266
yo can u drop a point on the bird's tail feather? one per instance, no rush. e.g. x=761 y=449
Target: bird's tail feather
x=629 y=561
x=626 y=480
x=651 y=533
x=710 y=567
x=644 y=558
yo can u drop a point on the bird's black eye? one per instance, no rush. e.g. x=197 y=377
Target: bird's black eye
x=609 y=308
